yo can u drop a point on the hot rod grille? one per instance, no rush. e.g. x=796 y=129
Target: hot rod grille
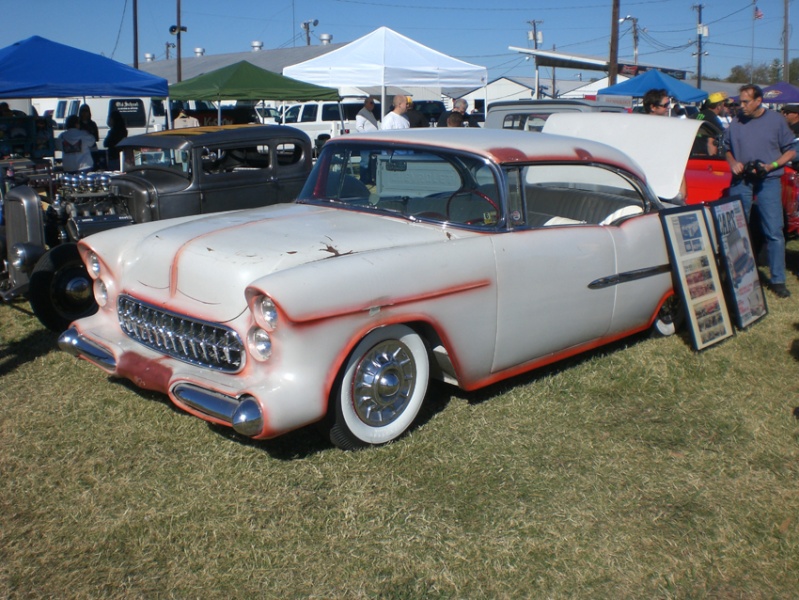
x=189 y=340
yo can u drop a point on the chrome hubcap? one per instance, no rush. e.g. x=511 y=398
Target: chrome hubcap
x=383 y=383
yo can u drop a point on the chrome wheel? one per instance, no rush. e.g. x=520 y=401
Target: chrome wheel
x=383 y=383
x=381 y=389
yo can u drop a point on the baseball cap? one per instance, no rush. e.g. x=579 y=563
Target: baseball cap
x=716 y=97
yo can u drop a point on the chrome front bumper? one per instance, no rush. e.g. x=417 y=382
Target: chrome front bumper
x=243 y=414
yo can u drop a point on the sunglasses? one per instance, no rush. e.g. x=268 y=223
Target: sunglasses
x=665 y=104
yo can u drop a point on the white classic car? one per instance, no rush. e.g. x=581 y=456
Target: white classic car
x=463 y=255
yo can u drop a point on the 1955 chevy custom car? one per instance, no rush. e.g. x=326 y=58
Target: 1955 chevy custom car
x=467 y=256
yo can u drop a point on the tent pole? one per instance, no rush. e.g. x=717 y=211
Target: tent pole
x=383 y=111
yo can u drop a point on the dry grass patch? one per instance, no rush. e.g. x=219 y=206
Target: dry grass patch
x=643 y=470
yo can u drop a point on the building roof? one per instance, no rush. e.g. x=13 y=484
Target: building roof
x=274 y=60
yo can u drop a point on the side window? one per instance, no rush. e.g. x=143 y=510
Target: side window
x=578 y=195
x=289 y=153
x=221 y=161
x=61 y=109
x=309 y=113
x=330 y=112
x=293 y=113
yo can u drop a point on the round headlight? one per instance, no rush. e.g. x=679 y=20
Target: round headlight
x=94 y=265
x=268 y=312
x=100 y=292
x=260 y=344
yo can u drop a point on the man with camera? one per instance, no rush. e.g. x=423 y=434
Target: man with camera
x=757 y=145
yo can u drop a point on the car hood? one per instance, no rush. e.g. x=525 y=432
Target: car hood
x=211 y=260
x=660 y=145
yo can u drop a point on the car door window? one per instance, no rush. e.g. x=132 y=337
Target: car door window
x=309 y=113
x=293 y=113
x=578 y=195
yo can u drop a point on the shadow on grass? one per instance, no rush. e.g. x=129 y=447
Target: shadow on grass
x=312 y=439
x=501 y=387
x=36 y=344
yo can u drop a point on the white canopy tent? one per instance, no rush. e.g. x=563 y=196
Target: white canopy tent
x=386 y=58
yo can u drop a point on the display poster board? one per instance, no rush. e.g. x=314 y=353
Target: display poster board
x=694 y=264
x=738 y=260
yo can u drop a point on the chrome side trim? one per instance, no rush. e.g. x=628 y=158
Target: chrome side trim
x=72 y=342
x=619 y=278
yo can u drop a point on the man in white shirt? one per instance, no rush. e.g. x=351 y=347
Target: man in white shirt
x=396 y=119
x=365 y=120
x=76 y=147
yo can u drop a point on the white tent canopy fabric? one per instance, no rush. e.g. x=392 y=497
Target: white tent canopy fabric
x=387 y=58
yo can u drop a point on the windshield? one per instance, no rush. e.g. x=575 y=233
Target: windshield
x=134 y=157
x=419 y=184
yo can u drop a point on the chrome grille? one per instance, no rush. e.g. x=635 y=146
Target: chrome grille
x=192 y=341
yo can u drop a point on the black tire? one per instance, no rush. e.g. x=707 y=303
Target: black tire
x=60 y=288
x=670 y=318
x=381 y=388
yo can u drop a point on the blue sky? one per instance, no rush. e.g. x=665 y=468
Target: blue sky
x=477 y=31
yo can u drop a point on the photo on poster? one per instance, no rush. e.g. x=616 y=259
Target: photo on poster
x=696 y=273
x=742 y=280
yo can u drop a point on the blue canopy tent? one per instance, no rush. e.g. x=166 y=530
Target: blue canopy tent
x=652 y=80
x=39 y=68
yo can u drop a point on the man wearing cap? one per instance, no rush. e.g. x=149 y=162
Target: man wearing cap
x=711 y=110
x=791 y=114
x=757 y=145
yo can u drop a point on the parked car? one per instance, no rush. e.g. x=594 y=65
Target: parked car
x=166 y=175
x=472 y=255
x=530 y=115
x=323 y=121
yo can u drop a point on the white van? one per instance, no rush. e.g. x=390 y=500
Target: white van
x=141 y=115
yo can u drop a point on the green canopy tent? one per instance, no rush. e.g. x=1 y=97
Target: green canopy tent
x=244 y=81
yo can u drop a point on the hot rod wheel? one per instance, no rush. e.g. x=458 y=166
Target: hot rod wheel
x=60 y=288
x=382 y=388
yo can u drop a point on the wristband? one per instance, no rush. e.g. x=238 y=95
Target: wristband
x=775 y=165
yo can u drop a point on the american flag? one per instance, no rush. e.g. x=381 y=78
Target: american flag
x=758 y=13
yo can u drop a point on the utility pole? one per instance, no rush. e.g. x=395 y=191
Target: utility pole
x=180 y=74
x=634 y=21
x=535 y=45
x=613 y=59
x=786 y=75
x=135 y=34
x=699 y=35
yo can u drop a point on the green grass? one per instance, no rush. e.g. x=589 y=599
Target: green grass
x=643 y=470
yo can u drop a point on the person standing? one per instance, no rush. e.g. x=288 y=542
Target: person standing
x=712 y=109
x=757 y=145
x=415 y=117
x=396 y=118
x=86 y=122
x=365 y=120
x=76 y=147
x=117 y=131
x=460 y=106
x=656 y=102
x=791 y=114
